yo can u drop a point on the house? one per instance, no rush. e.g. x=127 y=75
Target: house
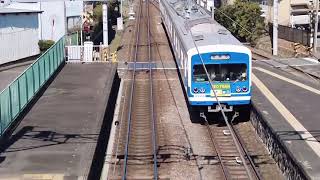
x=74 y=11
x=19 y=31
x=296 y=21
x=292 y=13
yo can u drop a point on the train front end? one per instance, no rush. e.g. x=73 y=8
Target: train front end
x=229 y=68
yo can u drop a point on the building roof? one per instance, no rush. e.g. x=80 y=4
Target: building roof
x=16 y=11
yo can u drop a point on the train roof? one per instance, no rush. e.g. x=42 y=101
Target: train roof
x=187 y=15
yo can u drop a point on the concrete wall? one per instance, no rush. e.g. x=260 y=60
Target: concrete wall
x=18 y=36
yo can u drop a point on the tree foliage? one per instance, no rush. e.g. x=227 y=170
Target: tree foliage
x=113 y=13
x=243 y=19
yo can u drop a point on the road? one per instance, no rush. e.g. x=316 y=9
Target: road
x=11 y=72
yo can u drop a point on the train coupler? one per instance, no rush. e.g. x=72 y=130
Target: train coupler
x=218 y=108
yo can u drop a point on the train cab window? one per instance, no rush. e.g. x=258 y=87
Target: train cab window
x=220 y=72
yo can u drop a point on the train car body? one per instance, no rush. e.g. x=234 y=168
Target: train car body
x=197 y=39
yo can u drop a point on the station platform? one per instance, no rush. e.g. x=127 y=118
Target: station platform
x=309 y=66
x=288 y=105
x=58 y=137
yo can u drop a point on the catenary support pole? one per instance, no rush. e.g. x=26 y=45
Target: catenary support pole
x=315 y=36
x=275 y=28
x=105 y=24
x=212 y=10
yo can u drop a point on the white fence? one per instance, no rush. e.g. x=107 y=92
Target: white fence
x=87 y=53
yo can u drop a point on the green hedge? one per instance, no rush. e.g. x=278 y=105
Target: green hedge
x=45 y=44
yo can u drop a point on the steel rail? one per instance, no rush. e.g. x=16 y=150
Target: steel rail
x=224 y=168
x=235 y=140
x=154 y=129
x=131 y=95
x=227 y=175
x=175 y=103
x=255 y=170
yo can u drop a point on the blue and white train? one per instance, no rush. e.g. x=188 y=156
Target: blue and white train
x=196 y=37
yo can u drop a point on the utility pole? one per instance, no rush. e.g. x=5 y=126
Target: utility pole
x=81 y=29
x=275 y=28
x=105 y=24
x=121 y=11
x=315 y=36
x=120 y=19
x=212 y=10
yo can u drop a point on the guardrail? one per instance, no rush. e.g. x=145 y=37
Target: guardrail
x=16 y=96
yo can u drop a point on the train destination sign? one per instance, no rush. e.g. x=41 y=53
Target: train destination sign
x=220 y=57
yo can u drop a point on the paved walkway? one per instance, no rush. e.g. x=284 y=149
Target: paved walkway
x=58 y=136
x=291 y=106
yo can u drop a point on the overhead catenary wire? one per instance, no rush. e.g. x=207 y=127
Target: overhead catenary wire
x=152 y=114
x=236 y=141
x=131 y=97
x=222 y=111
x=154 y=128
x=248 y=31
x=179 y=114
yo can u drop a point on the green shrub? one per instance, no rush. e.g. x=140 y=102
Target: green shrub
x=45 y=44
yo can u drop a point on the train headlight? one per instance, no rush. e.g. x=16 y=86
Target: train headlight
x=244 y=89
x=195 y=90
x=238 y=89
x=202 y=90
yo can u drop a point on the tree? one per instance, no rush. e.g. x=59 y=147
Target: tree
x=243 y=19
x=113 y=13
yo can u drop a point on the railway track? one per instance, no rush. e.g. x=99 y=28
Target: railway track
x=139 y=150
x=139 y=134
x=228 y=155
x=232 y=166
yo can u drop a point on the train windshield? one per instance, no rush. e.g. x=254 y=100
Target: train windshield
x=220 y=72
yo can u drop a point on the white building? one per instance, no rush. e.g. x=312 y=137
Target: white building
x=74 y=11
x=18 y=34
x=52 y=19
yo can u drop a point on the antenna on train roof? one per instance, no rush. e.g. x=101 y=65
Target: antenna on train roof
x=189 y=9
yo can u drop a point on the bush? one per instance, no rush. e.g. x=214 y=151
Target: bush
x=243 y=19
x=45 y=44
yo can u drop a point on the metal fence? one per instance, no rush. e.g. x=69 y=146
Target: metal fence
x=20 y=92
x=294 y=35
